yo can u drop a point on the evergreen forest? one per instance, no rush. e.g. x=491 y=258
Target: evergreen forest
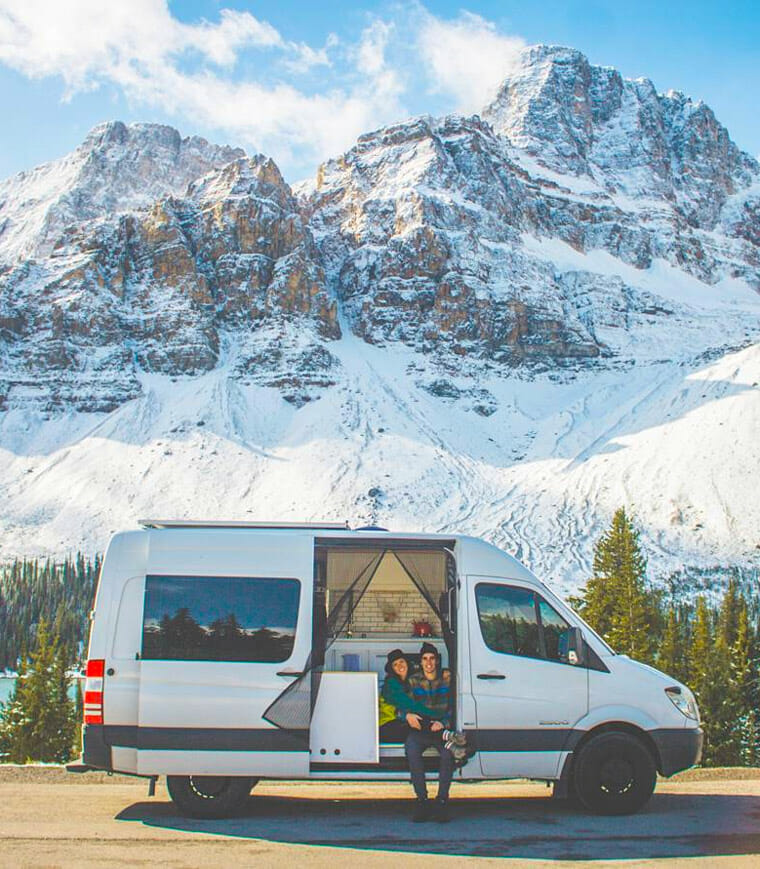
x=712 y=645
x=60 y=593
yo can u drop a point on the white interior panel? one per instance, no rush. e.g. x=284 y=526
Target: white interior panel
x=344 y=725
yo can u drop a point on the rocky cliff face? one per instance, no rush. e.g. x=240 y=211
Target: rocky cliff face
x=146 y=252
x=140 y=265
x=421 y=227
x=428 y=228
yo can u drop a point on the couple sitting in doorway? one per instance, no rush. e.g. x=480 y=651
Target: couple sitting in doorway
x=416 y=709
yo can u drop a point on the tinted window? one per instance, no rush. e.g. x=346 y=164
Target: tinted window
x=215 y=618
x=508 y=619
x=515 y=621
x=555 y=630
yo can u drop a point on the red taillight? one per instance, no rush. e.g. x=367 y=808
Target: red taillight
x=96 y=669
x=93 y=692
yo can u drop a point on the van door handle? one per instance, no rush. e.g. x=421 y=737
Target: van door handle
x=290 y=672
x=491 y=676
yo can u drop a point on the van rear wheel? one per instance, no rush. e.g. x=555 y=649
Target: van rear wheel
x=614 y=774
x=209 y=796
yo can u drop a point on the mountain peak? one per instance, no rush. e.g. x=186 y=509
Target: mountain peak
x=575 y=118
x=118 y=167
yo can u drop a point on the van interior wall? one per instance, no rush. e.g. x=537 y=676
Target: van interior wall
x=387 y=611
x=392 y=613
x=391 y=603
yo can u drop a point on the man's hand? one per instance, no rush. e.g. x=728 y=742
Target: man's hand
x=414 y=721
x=436 y=726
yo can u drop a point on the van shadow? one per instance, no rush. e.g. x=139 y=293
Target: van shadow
x=671 y=825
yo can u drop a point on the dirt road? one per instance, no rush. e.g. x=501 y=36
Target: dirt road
x=51 y=818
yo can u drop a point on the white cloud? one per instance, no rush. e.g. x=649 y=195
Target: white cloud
x=467 y=58
x=192 y=71
x=236 y=30
x=384 y=80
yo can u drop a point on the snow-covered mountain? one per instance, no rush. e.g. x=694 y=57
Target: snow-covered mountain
x=509 y=325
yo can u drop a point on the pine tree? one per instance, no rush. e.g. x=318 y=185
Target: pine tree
x=728 y=619
x=671 y=656
x=710 y=679
x=615 y=600
x=12 y=715
x=39 y=718
x=744 y=682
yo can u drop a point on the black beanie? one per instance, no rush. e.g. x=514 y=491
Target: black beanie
x=394 y=655
x=429 y=648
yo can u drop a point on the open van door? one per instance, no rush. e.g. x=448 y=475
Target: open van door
x=226 y=626
x=527 y=694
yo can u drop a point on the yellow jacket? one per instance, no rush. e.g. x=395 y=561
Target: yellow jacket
x=386 y=712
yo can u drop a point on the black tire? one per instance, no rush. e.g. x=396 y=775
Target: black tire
x=209 y=796
x=614 y=774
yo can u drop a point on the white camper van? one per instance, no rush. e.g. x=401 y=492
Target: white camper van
x=224 y=653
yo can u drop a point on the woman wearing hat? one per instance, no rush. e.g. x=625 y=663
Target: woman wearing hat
x=394 y=699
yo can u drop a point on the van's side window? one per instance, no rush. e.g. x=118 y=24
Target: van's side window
x=555 y=630
x=508 y=619
x=515 y=621
x=217 y=618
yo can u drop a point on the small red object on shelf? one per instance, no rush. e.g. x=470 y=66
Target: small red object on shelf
x=422 y=629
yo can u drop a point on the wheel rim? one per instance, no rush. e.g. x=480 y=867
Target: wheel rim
x=208 y=787
x=616 y=776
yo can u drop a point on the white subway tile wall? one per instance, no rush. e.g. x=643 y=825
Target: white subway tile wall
x=392 y=613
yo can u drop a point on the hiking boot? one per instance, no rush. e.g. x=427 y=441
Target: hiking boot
x=454 y=737
x=421 y=811
x=441 y=811
x=459 y=753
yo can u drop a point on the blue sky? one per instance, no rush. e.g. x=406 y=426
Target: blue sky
x=299 y=81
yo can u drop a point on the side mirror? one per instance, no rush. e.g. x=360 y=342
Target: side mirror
x=576 y=647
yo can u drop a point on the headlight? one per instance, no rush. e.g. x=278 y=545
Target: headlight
x=684 y=702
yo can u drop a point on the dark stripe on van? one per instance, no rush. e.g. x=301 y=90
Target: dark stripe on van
x=241 y=739
x=560 y=739
x=205 y=738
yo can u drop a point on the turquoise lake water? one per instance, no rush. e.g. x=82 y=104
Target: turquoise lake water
x=6 y=687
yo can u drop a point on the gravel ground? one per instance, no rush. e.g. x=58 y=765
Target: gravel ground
x=51 y=818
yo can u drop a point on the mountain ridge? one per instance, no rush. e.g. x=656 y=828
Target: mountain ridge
x=500 y=287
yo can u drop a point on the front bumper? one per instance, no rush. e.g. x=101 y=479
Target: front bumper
x=677 y=748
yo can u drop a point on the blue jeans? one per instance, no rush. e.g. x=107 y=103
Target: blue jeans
x=416 y=743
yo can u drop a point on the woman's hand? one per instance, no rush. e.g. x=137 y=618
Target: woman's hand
x=414 y=721
x=436 y=726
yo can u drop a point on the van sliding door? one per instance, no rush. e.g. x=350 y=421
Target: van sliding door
x=226 y=627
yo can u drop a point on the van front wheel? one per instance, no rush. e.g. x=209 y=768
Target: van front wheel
x=208 y=796
x=614 y=774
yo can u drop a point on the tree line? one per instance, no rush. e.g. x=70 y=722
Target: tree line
x=711 y=645
x=60 y=593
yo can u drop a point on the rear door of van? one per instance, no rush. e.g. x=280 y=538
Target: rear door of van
x=226 y=627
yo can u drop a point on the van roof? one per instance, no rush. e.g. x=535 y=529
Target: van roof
x=326 y=530
x=200 y=523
